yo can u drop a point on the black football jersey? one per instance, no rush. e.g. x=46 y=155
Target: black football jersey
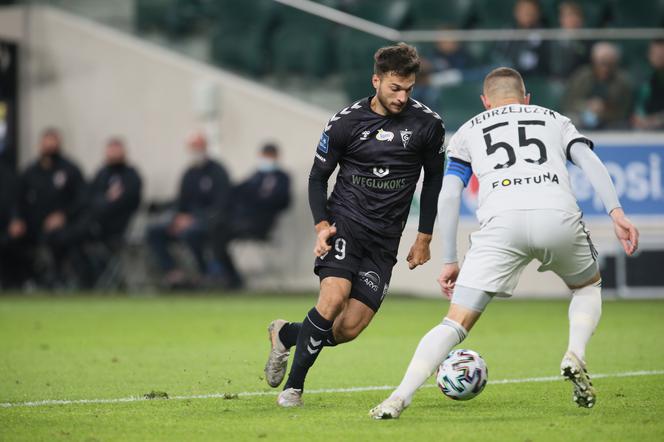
x=380 y=160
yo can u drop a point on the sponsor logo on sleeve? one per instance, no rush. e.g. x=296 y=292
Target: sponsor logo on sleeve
x=324 y=143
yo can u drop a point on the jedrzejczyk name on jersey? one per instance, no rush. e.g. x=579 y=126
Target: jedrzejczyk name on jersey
x=518 y=153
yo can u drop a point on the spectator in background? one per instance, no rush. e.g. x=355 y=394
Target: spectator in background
x=529 y=56
x=650 y=101
x=112 y=199
x=569 y=55
x=447 y=64
x=599 y=96
x=14 y=264
x=52 y=194
x=204 y=190
x=253 y=211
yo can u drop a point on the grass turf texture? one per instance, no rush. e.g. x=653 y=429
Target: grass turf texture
x=95 y=348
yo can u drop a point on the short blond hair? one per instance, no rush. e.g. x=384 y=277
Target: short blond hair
x=504 y=82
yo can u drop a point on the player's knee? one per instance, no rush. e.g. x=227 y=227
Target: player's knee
x=333 y=296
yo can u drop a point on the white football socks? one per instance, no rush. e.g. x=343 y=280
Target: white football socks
x=430 y=353
x=584 y=313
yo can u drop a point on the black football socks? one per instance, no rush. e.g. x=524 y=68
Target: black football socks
x=314 y=331
x=288 y=333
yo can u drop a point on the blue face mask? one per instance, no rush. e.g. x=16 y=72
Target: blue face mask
x=266 y=165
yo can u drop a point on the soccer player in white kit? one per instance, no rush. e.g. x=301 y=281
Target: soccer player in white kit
x=526 y=211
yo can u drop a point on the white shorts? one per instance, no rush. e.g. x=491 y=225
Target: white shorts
x=505 y=244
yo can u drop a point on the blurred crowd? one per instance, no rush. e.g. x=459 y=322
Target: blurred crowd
x=597 y=91
x=61 y=231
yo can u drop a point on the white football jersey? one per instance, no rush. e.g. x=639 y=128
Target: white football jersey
x=518 y=153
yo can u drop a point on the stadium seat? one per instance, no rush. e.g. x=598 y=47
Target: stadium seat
x=355 y=52
x=544 y=92
x=432 y=14
x=395 y=14
x=151 y=14
x=492 y=14
x=252 y=21
x=302 y=43
x=637 y=14
x=459 y=103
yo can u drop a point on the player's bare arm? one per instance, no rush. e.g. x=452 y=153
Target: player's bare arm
x=626 y=232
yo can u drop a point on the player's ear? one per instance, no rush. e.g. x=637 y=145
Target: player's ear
x=375 y=81
x=526 y=99
x=485 y=102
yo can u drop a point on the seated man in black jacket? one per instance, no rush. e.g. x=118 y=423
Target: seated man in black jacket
x=253 y=210
x=14 y=264
x=203 y=190
x=51 y=197
x=112 y=199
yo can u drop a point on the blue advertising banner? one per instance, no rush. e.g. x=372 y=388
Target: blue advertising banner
x=636 y=170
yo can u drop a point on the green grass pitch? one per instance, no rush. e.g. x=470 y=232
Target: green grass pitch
x=121 y=347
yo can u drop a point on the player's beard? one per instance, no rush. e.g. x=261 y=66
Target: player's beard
x=387 y=105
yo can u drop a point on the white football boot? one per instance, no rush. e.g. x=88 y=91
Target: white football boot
x=277 y=361
x=388 y=409
x=290 y=397
x=574 y=369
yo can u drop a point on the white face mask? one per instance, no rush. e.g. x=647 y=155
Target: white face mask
x=266 y=165
x=197 y=158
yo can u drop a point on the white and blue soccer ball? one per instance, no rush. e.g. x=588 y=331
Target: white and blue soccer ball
x=462 y=375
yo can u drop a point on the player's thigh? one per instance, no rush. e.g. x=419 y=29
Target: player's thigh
x=372 y=281
x=334 y=292
x=564 y=246
x=497 y=255
x=354 y=318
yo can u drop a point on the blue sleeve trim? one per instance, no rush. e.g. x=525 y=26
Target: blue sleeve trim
x=459 y=168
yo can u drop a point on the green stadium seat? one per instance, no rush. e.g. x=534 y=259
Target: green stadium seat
x=240 y=33
x=395 y=14
x=151 y=14
x=432 y=14
x=302 y=43
x=459 y=103
x=544 y=92
x=355 y=52
x=495 y=14
x=637 y=14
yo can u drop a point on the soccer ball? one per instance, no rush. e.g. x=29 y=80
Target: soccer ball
x=462 y=375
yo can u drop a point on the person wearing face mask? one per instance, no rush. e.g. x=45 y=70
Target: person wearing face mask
x=14 y=263
x=51 y=198
x=112 y=199
x=204 y=190
x=600 y=95
x=253 y=210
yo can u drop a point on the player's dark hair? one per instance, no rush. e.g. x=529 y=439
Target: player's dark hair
x=401 y=59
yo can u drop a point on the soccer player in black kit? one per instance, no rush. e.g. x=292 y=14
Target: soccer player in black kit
x=381 y=144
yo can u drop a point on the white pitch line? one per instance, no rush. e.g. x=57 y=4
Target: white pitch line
x=320 y=391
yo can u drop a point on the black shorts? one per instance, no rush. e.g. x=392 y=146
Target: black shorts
x=364 y=258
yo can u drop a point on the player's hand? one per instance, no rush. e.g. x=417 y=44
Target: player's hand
x=447 y=278
x=625 y=231
x=419 y=253
x=324 y=231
